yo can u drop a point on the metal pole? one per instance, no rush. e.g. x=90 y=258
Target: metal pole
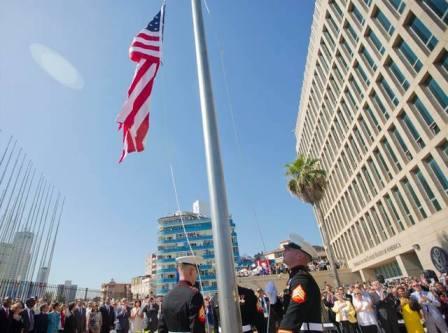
x=229 y=310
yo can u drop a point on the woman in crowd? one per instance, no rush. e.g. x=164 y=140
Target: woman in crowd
x=345 y=313
x=137 y=317
x=410 y=311
x=94 y=319
x=16 y=322
x=54 y=318
x=364 y=312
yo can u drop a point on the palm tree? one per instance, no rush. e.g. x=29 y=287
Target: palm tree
x=307 y=181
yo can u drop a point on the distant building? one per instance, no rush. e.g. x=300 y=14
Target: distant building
x=141 y=286
x=42 y=275
x=116 y=290
x=66 y=292
x=15 y=257
x=173 y=243
x=151 y=264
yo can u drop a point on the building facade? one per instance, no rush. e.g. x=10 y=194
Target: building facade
x=141 y=287
x=116 y=290
x=374 y=110
x=173 y=243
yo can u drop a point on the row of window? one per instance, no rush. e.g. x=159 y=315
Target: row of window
x=409 y=202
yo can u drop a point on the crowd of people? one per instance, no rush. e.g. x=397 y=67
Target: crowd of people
x=40 y=316
x=257 y=270
x=404 y=305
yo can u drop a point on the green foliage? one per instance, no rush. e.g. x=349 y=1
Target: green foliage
x=306 y=179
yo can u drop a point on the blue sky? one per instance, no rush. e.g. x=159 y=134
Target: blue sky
x=110 y=219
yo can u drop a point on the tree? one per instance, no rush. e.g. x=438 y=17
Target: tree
x=307 y=181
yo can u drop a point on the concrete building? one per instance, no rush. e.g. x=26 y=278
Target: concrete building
x=116 y=290
x=15 y=257
x=173 y=243
x=141 y=286
x=151 y=264
x=66 y=292
x=374 y=110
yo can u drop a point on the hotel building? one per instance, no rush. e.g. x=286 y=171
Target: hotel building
x=173 y=243
x=374 y=110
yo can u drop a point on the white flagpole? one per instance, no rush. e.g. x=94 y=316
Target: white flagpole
x=229 y=310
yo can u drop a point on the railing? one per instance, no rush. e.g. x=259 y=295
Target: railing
x=50 y=292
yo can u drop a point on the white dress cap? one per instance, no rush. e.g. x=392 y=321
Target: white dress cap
x=303 y=245
x=192 y=260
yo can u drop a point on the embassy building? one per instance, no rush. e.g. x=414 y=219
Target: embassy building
x=374 y=110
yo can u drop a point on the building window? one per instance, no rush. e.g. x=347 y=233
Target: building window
x=399 y=76
x=444 y=151
x=374 y=232
x=398 y=5
x=347 y=48
x=439 y=8
x=372 y=117
x=407 y=53
x=384 y=22
x=386 y=218
x=403 y=205
x=388 y=90
x=362 y=74
x=369 y=180
x=391 y=154
x=352 y=33
x=423 y=33
x=357 y=14
x=429 y=193
x=356 y=87
x=368 y=2
x=437 y=92
x=333 y=25
x=412 y=130
x=441 y=177
x=425 y=115
x=375 y=172
x=329 y=38
x=376 y=42
x=382 y=163
x=403 y=146
x=409 y=189
x=444 y=63
x=380 y=105
x=394 y=212
x=337 y=10
x=368 y=58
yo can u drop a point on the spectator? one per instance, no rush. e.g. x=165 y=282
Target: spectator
x=80 y=315
x=122 y=315
x=384 y=306
x=41 y=319
x=28 y=315
x=328 y=299
x=430 y=307
x=345 y=313
x=16 y=318
x=107 y=316
x=364 y=312
x=5 y=316
x=94 y=319
x=410 y=310
x=54 y=318
x=136 y=317
x=70 y=323
x=441 y=292
x=151 y=310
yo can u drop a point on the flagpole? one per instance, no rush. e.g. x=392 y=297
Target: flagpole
x=229 y=311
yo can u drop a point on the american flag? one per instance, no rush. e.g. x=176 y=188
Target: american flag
x=145 y=50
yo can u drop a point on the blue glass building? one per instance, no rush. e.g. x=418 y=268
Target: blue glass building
x=173 y=243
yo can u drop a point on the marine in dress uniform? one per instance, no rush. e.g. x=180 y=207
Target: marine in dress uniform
x=183 y=308
x=304 y=311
